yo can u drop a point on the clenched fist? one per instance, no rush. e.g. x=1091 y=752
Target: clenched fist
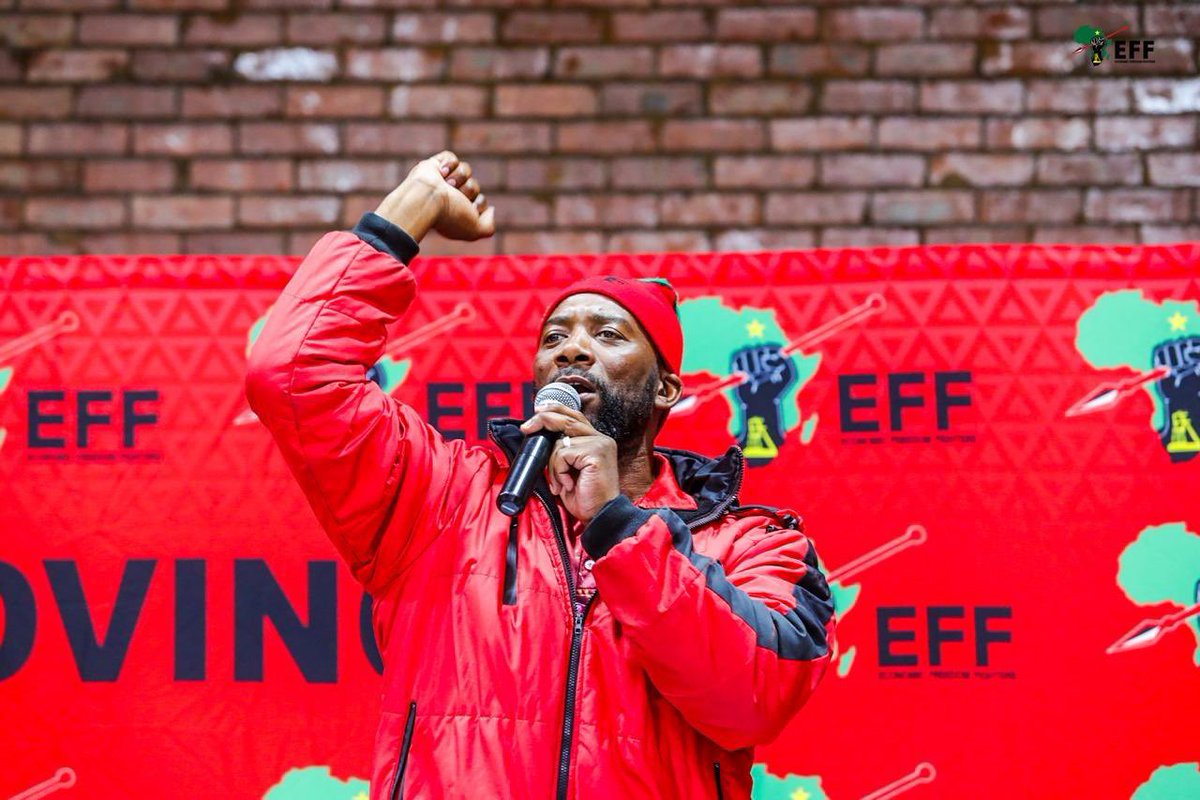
x=441 y=194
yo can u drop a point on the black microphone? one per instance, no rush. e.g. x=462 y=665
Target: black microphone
x=535 y=453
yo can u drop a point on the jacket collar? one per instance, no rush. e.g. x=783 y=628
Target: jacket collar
x=712 y=482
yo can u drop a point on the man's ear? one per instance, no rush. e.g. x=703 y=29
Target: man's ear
x=670 y=390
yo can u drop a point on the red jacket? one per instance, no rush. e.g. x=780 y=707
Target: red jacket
x=710 y=625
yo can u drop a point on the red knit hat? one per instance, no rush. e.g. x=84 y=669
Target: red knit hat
x=651 y=301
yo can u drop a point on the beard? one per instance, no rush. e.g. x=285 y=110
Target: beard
x=623 y=415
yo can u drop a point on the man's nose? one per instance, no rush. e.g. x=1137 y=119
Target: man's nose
x=575 y=348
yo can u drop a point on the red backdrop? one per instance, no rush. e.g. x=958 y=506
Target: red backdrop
x=989 y=548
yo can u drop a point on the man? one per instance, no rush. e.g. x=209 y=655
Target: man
x=633 y=633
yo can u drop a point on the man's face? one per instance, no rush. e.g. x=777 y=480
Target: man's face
x=597 y=345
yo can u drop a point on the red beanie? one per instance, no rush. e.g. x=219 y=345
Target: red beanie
x=651 y=301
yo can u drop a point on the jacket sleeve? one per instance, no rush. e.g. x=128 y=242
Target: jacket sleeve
x=381 y=481
x=738 y=647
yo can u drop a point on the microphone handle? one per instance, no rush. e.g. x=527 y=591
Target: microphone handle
x=523 y=476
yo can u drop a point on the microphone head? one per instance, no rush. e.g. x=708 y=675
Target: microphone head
x=562 y=393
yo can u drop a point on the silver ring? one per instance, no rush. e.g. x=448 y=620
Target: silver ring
x=566 y=441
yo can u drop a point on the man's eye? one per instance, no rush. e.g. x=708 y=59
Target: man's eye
x=550 y=337
x=610 y=333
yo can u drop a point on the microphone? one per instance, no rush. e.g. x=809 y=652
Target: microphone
x=535 y=453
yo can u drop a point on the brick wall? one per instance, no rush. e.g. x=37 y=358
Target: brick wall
x=255 y=125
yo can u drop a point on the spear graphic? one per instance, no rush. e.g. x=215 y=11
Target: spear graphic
x=912 y=536
x=924 y=773
x=1151 y=631
x=1109 y=393
x=67 y=322
x=64 y=778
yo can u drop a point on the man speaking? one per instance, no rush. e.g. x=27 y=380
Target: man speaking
x=629 y=632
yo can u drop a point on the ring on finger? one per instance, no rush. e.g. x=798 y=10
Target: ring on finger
x=566 y=442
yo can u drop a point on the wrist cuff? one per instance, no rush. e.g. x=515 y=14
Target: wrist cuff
x=386 y=237
x=617 y=520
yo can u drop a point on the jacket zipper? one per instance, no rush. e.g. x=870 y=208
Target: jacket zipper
x=724 y=504
x=717 y=778
x=402 y=761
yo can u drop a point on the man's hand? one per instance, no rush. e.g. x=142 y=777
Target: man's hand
x=440 y=193
x=583 y=466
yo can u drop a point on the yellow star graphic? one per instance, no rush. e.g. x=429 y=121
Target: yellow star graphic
x=1178 y=321
x=755 y=329
x=361 y=796
x=800 y=794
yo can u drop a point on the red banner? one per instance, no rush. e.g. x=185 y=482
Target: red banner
x=996 y=450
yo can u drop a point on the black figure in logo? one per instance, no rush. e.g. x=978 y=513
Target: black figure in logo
x=1098 y=44
x=769 y=375
x=1180 y=392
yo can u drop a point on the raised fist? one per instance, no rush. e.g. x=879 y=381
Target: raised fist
x=440 y=193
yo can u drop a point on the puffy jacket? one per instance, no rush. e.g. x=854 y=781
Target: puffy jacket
x=710 y=627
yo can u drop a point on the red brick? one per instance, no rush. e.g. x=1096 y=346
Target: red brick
x=557 y=173
x=26 y=30
x=924 y=207
x=501 y=63
x=759 y=239
x=128 y=29
x=22 y=102
x=287 y=137
x=442 y=100
x=1089 y=169
x=10 y=213
x=335 y=101
x=1040 y=133
x=245 y=30
x=77 y=138
x=658 y=241
x=1138 y=205
x=1024 y=205
x=11 y=139
x=710 y=61
x=355 y=205
x=126 y=102
x=1060 y=22
x=1079 y=96
x=651 y=99
x=713 y=134
x=820 y=133
x=1028 y=58
x=979 y=23
x=223 y=102
x=394 y=64
x=76 y=66
x=31 y=175
x=182 y=212
x=1169 y=234
x=914 y=133
x=297 y=6
x=128 y=175
x=455 y=29
x=434 y=245
x=972 y=97
x=10 y=67
x=562 y=3
x=754 y=98
x=873 y=24
x=925 y=59
x=604 y=62
x=709 y=208
x=809 y=208
x=1158 y=96
x=766 y=24
x=342 y=27
x=869 y=237
x=183 y=139
x=520 y=210
x=239 y=243
x=1170 y=19
x=976 y=234
x=178 y=5
x=597 y=210
x=762 y=172
x=863 y=96
x=289 y=64
x=1085 y=234
x=271 y=211
x=121 y=242
x=660 y=26
x=33 y=244
x=816 y=60
x=502 y=137
x=980 y=169
x=67 y=5
x=1145 y=133
x=871 y=170
x=551 y=242
x=1172 y=169
x=659 y=172
x=84 y=213
x=187 y=65
x=299 y=243
x=349 y=176
x=553 y=27
x=605 y=137
x=238 y=175
x=397 y=138
x=545 y=100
